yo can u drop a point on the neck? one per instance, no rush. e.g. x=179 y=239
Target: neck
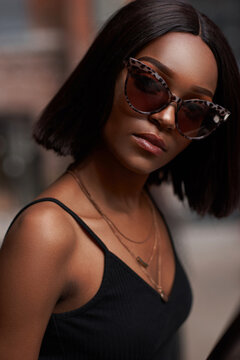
x=110 y=182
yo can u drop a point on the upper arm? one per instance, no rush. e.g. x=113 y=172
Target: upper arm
x=33 y=262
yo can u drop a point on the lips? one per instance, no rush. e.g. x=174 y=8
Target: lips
x=153 y=139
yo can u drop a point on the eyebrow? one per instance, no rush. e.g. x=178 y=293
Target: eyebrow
x=170 y=73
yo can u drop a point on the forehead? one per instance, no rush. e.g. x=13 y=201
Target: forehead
x=190 y=59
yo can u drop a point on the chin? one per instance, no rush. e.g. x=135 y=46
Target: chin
x=141 y=165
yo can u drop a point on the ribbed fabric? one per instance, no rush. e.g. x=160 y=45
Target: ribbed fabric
x=125 y=320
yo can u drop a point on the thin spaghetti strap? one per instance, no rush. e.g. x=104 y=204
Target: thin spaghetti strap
x=70 y=212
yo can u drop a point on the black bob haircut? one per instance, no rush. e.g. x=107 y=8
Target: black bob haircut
x=206 y=172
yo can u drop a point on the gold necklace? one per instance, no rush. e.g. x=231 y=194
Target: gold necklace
x=126 y=237
x=110 y=222
x=138 y=258
x=140 y=261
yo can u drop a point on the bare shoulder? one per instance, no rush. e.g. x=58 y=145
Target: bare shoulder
x=34 y=263
x=43 y=225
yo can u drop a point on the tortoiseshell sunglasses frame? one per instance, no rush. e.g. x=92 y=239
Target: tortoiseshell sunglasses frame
x=220 y=117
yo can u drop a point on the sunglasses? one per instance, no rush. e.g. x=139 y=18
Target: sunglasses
x=147 y=93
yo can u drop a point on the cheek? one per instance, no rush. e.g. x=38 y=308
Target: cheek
x=115 y=126
x=180 y=142
x=120 y=116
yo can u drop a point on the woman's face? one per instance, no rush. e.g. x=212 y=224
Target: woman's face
x=189 y=68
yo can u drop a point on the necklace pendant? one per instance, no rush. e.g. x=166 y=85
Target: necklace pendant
x=163 y=295
x=141 y=262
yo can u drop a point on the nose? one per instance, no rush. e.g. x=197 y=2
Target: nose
x=165 y=118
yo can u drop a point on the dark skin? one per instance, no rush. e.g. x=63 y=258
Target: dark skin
x=48 y=264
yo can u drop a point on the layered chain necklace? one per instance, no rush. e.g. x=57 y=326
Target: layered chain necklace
x=156 y=244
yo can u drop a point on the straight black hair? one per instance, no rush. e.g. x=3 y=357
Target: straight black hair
x=208 y=171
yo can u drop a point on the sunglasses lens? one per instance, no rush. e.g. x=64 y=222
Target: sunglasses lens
x=145 y=92
x=196 y=119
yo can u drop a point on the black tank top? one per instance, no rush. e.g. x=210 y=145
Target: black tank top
x=125 y=320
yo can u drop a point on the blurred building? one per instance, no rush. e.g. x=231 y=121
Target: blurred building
x=34 y=58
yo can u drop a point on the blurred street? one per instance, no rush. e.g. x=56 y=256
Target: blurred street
x=212 y=262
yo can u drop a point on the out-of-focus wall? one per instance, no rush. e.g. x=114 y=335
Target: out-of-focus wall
x=40 y=43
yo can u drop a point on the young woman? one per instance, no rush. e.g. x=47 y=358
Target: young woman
x=89 y=270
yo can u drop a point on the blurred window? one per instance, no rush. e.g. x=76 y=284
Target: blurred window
x=13 y=16
x=19 y=164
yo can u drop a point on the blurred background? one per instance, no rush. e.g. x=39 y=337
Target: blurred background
x=41 y=41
